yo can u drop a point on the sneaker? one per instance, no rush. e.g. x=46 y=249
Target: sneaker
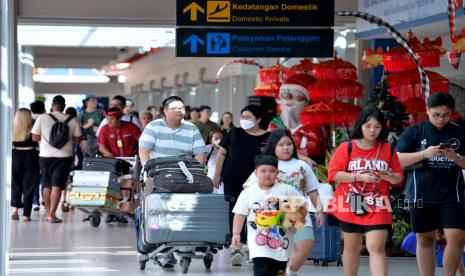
x=167 y=261
x=245 y=251
x=237 y=257
x=35 y=208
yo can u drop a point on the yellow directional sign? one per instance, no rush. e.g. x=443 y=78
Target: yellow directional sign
x=193 y=8
x=218 y=11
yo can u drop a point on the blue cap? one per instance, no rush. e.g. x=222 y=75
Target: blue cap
x=91 y=96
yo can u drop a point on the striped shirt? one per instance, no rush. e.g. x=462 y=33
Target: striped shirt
x=163 y=141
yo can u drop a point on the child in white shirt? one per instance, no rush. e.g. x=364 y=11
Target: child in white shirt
x=298 y=174
x=269 y=243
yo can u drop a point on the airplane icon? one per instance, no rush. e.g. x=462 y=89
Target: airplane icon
x=218 y=11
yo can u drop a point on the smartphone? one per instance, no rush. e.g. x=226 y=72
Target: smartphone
x=444 y=145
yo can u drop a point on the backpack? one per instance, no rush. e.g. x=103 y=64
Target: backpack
x=59 y=135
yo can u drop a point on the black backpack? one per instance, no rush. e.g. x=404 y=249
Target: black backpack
x=59 y=135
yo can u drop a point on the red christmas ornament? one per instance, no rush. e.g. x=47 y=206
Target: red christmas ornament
x=306 y=67
x=270 y=74
x=332 y=112
x=415 y=106
x=397 y=59
x=267 y=90
x=407 y=84
x=335 y=69
x=335 y=89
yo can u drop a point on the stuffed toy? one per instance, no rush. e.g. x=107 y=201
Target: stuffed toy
x=295 y=212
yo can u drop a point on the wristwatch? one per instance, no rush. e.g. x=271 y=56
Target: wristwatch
x=459 y=157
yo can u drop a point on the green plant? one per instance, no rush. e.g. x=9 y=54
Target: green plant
x=400 y=229
x=392 y=108
x=321 y=171
x=397 y=119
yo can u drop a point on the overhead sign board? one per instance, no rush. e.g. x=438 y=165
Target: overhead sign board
x=255 y=13
x=195 y=42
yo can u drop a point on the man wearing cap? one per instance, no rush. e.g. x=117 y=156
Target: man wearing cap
x=120 y=102
x=117 y=137
x=90 y=119
x=294 y=96
x=55 y=163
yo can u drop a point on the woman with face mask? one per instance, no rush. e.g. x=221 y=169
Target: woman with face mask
x=235 y=161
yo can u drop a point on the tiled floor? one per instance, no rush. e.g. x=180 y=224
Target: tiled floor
x=76 y=248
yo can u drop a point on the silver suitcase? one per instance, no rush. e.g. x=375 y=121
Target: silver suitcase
x=186 y=218
x=97 y=179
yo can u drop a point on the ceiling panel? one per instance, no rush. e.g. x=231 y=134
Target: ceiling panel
x=149 y=13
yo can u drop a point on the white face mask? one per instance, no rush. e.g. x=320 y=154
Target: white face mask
x=247 y=124
x=217 y=142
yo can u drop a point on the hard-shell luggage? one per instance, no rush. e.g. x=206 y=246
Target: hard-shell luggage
x=177 y=175
x=142 y=246
x=327 y=245
x=185 y=218
x=113 y=165
x=94 y=197
x=97 y=179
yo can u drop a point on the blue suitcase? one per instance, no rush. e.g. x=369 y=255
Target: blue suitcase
x=327 y=246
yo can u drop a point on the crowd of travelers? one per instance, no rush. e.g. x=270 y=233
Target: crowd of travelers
x=250 y=164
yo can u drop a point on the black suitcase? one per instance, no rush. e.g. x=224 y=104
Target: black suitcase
x=112 y=165
x=178 y=175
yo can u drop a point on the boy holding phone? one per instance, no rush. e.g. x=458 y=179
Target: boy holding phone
x=435 y=190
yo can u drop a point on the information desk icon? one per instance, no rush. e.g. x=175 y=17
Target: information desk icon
x=218 y=43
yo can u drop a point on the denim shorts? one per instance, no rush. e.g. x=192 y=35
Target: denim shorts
x=304 y=234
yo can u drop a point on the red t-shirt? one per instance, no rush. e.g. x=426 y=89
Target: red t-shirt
x=129 y=135
x=376 y=196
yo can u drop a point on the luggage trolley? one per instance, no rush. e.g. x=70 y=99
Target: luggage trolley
x=193 y=225
x=102 y=192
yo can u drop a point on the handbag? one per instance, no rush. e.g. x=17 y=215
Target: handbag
x=357 y=202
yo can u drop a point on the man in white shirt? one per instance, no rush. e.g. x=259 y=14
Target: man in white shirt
x=55 y=163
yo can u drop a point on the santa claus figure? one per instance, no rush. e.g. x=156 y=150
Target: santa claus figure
x=294 y=96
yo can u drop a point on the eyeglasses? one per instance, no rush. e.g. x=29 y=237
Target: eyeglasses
x=287 y=95
x=176 y=108
x=440 y=116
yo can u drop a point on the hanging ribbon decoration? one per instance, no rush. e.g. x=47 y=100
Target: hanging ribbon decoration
x=243 y=61
x=398 y=37
x=454 y=55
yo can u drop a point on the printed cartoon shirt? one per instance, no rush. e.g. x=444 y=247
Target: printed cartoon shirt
x=265 y=235
x=297 y=174
x=362 y=161
x=436 y=180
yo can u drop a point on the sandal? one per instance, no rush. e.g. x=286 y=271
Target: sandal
x=54 y=220
x=26 y=219
x=15 y=216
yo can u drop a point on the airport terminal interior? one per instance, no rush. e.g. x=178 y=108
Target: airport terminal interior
x=148 y=50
